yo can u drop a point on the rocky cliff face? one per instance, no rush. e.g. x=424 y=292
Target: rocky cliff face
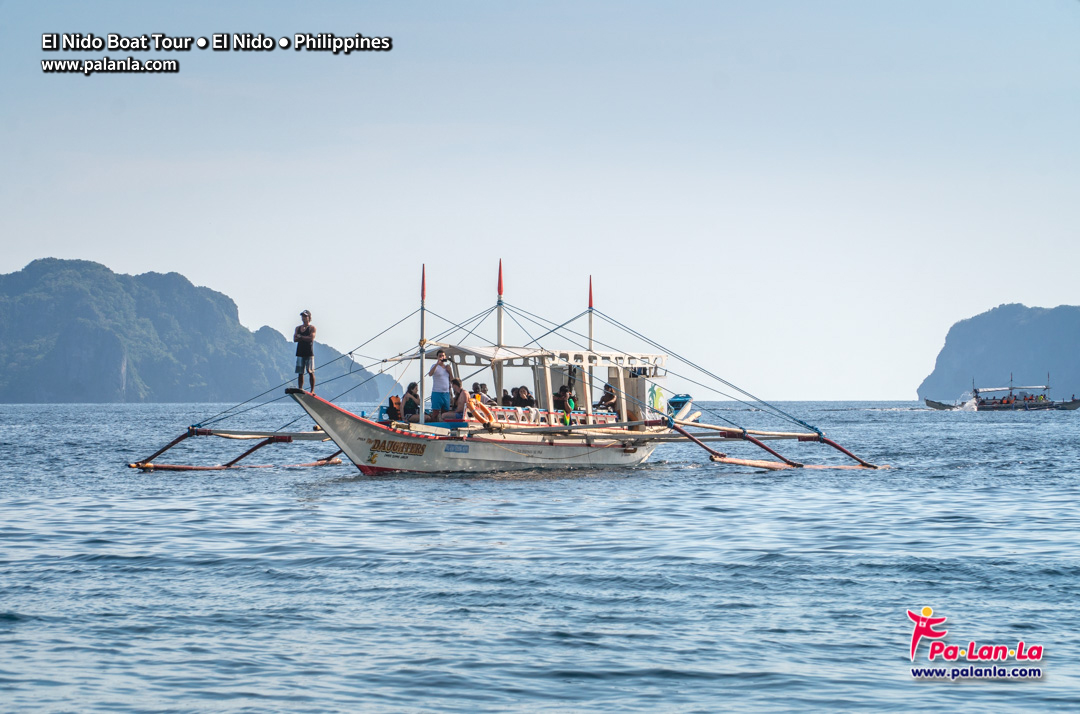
x=1027 y=342
x=74 y=331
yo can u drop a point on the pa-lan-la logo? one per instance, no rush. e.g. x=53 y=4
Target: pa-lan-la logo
x=925 y=622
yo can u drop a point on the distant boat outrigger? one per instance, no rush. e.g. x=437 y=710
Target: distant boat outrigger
x=548 y=433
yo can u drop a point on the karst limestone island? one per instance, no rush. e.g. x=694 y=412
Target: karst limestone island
x=1026 y=342
x=74 y=331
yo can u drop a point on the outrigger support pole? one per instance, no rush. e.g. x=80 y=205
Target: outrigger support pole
x=825 y=440
x=192 y=431
x=712 y=452
x=777 y=454
x=148 y=465
x=265 y=442
x=330 y=458
x=748 y=435
x=724 y=458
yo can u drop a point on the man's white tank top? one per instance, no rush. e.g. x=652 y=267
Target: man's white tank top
x=440 y=381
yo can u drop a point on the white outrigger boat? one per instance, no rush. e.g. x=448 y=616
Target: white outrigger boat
x=1004 y=399
x=510 y=438
x=544 y=436
x=507 y=438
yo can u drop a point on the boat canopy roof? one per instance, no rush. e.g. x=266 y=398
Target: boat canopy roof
x=1006 y=389
x=495 y=354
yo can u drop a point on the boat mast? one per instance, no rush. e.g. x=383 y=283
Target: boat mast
x=499 y=306
x=587 y=391
x=423 y=339
x=497 y=368
x=590 y=316
x=545 y=403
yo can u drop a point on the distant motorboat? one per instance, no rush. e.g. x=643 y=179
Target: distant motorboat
x=1033 y=398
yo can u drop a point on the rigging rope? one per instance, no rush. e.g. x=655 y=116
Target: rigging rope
x=776 y=411
x=532 y=339
x=602 y=344
x=584 y=369
x=454 y=327
x=474 y=323
x=552 y=330
x=701 y=369
x=290 y=423
x=218 y=417
x=223 y=415
x=279 y=398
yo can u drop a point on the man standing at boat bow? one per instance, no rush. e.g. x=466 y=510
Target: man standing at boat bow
x=304 y=337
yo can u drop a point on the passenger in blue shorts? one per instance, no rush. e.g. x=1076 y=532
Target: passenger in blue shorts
x=440 y=374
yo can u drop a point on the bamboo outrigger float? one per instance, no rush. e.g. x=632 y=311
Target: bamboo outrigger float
x=543 y=435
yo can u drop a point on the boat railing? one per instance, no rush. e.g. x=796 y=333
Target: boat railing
x=543 y=417
x=529 y=416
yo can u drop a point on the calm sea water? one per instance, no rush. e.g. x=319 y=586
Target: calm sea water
x=678 y=586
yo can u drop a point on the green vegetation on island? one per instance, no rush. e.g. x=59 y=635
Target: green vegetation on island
x=75 y=331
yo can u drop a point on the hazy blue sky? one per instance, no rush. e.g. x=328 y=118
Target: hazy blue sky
x=805 y=195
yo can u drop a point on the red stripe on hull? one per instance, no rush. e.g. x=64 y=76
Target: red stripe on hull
x=375 y=470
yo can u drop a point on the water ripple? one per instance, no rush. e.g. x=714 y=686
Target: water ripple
x=681 y=585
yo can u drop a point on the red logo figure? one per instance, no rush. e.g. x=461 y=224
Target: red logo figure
x=924 y=627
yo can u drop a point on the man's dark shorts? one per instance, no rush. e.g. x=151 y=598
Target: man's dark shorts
x=305 y=364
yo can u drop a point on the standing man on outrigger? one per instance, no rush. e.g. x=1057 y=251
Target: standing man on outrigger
x=304 y=337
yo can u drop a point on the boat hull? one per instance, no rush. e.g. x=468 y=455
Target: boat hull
x=1022 y=406
x=375 y=448
x=1019 y=406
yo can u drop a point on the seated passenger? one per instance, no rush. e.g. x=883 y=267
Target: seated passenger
x=608 y=400
x=486 y=398
x=522 y=398
x=393 y=408
x=507 y=400
x=410 y=403
x=564 y=401
x=461 y=397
